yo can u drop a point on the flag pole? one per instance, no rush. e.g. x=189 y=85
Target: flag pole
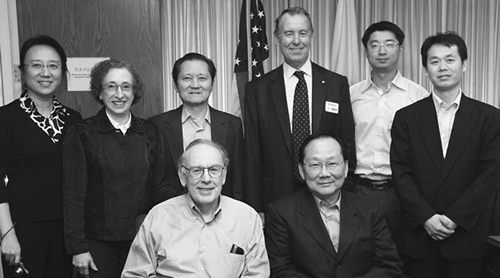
x=249 y=40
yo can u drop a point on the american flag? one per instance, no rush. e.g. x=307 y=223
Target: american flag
x=259 y=51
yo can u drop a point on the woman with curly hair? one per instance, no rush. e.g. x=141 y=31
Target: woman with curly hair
x=113 y=173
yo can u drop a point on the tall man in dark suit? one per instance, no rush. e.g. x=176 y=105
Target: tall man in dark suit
x=194 y=76
x=445 y=160
x=286 y=105
x=323 y=231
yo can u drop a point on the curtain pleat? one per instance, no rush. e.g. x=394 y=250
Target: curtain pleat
x=211 y=28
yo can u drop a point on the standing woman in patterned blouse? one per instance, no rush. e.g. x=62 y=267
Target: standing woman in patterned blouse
x=113 y=172
x=32 y=129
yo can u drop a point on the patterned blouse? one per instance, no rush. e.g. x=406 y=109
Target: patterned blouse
x=53 y=125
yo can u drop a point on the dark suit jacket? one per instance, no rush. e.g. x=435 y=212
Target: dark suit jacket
x=226 y=130
x=460 y=186
x=298 y=243
x=268 y=139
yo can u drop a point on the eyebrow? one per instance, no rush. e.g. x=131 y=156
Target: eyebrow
x=388 y=40
x=40 y=60
x=454 y=55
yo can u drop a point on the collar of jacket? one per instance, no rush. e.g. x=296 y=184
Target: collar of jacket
x=104 y=125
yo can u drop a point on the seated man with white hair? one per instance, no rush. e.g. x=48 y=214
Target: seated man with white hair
x=201 y=233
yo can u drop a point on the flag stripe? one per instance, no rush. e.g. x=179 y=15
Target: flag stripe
x=252 y=50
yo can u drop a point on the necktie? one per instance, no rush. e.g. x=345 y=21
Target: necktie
x=300 y=120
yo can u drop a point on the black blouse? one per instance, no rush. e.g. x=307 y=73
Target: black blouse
x=32 y=161
x=109 y=179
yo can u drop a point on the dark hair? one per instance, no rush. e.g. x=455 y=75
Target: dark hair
x=101 y=69
x=42 y=40
x=193 y=56
x=449 y=39
x=292 y=11
x=383 y=26
x=320 y=135
x=219 y=147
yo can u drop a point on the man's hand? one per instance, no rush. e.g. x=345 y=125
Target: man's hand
x=82 y=262
x=435 y=228
x=11 y=249
x=448 y=223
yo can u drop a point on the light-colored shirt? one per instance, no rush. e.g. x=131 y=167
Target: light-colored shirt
x=191 y=130
x=291 y=82
x=175 y=241
x=122 y=127
x=330 y=214
x=446 y=117
x=374 y=111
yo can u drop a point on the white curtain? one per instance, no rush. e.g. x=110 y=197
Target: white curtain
x=207 y=27
x=476 y=21
x=211 y=28
x=10 y=88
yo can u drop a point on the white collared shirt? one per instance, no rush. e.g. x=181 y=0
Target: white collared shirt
x=122 y=127
x=192 y=131
x=446 y=117
x=175 y=241
x=374 y=111
x=290 y=84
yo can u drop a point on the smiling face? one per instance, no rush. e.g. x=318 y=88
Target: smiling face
x=383 y=60
x=204 y=191
x=325 y=184
x=118 y=102
x=194 y=83
x=294 y=39
x=445 y=68
x=41 y=83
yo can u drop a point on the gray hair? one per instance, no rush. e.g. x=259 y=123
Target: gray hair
x=219 y=147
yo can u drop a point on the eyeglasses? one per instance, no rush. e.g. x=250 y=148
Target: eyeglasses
x=315 y=168
x=113 y=87
x=196 y=172
x=39 y=66
x=375 y=46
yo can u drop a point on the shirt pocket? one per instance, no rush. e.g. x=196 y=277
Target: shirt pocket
x=232 y=264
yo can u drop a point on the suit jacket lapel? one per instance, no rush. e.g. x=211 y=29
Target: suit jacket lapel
x=313 y=224
x=278 y=95
x=348 y=225
x=429 y=129
x=218 y=126
x=459 y=134
x=173 y=132
x=318 y=97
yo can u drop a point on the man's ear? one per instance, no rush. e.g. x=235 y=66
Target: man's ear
x=301 y=171
x=224 y=175
x=182 y=177
x=346 y=166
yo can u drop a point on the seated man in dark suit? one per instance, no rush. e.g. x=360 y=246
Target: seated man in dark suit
x=323 y=231
x=194 y=77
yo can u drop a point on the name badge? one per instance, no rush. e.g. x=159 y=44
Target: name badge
x=332 y=107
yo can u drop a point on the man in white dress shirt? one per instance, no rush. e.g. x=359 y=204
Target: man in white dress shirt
x=374 y=103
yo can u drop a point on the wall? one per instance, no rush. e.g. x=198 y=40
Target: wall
x=122 y=29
